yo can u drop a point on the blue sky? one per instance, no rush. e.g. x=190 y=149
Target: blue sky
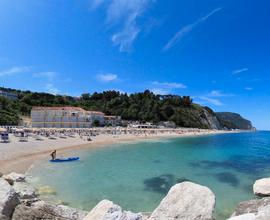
x=217 y=51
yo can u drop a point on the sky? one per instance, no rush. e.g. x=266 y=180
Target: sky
x=216 y=51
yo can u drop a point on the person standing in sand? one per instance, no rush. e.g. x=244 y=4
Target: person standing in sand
x=53 y=155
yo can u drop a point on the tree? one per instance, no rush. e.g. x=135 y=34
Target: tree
x=96 y=123
x=186 y=101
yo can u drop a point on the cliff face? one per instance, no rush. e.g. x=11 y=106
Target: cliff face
x=231 y=120
x=197 y=117
x=204 y=117
x=212 y=120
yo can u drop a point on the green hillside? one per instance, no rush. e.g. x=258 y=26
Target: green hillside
x=233 y=121
x=145 y=107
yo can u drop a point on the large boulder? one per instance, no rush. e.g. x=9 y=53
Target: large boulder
x=186 y=201
x=248 y=216
x=106 y=210
x=24 y=190
x=43 y=210
x=263 y=213
x=8 y=200
x=14 y=177
x=251 y=206
x=262 y=187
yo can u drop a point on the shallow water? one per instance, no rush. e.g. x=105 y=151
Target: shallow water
x=137 y=176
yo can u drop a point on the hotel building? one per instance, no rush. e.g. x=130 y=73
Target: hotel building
x=64 y=117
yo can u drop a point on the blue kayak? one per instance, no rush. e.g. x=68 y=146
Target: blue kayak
x=65 y=159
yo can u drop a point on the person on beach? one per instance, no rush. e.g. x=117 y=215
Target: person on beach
x=53 y=155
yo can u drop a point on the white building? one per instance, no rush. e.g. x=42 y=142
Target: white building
x=64 y=117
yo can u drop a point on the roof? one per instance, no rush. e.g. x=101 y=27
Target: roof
x=65 y=108
x=111 y=116
x=95 y=112
x=68 y=108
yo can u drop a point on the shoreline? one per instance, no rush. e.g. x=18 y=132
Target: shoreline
x=28 y=153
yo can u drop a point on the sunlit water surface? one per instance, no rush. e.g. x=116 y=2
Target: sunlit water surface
x=137 y=176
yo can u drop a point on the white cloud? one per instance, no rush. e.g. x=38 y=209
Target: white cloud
x=51 y=89
x=160 y=91
x=187 y=29
x=15 y=70
x=208 y=100
x=170 y=85
x=164 y=88
x=125 y=38
x=125 y=14
x=239 y=71
x=218 y=93
x=107 y=77
x=213 y=97
x=248 y=88
x=49 y=75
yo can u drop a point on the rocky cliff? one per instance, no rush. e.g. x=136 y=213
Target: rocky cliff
x=229 y=120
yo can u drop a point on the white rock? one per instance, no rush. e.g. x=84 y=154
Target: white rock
x=252 y=210
x=186 y=201
x=262 y=187
x=100 y=210
x=43 y=210
x=24 y=190
x=8 y=200
x=263 y=213
x=14 y=177
x=106 y=210
x=248 y=216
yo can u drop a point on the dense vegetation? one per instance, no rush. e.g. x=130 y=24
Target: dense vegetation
x=145 y=106
x=8 y=113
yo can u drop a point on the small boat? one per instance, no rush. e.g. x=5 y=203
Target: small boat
x=59 y=160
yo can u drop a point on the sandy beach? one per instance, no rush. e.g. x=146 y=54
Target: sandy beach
x=19 y=156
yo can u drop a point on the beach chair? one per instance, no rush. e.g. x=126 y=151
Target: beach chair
x=4 y=137
x=39 y=138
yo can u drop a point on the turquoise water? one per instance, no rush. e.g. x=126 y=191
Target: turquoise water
x=137 y=176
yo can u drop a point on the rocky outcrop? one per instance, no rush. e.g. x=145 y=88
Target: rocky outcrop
x=14 y=177
x=210 y=119
x=46 y=211
x=8 y=200
x=262 y=187
x=251 y=206
x=107 y=210
x=230 y=120
x=24 y=190
x=263 y=213
x=256 y=209
x=248 y=216
x=186 y=201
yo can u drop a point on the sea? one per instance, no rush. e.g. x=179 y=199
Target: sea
x=138 y=175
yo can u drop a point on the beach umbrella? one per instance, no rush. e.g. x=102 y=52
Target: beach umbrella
x=3 y=129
